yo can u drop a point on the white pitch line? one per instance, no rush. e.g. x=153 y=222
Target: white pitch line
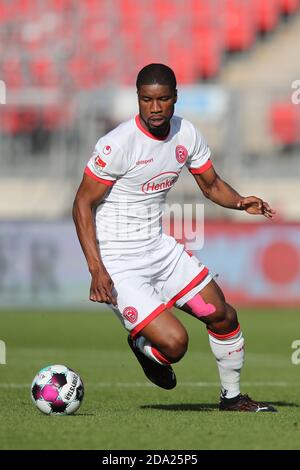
x=195 y=384
x=180 y=384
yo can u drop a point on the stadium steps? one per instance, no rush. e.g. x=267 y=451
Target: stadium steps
x=35 y=199
x=259 y=78
x=275 y=60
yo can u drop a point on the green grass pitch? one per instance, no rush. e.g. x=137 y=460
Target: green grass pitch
x=122 y=410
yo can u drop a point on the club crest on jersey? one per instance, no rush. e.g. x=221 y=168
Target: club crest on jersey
x=99 y=161
x=181 y=153
x=131 y=314
x=106 y=150
x=160 y=182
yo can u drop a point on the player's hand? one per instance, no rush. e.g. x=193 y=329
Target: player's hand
x=102 y=287
x=255 y=205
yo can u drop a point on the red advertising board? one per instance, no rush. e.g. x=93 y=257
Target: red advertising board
x=256 y=263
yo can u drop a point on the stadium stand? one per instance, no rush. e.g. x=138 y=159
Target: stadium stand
x=58 y=57
x=43 y=39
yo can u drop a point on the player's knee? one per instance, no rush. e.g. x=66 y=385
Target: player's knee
x=220 y=313
x=224 y=318
x=176 y=346
x=231 y=316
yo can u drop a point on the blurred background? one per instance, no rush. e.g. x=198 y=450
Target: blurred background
x=69 y=69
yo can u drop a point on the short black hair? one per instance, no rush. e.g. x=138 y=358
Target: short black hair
x=156 y=73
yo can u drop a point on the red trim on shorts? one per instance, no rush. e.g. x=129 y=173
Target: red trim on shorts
x=226 y=336
x=147 y=320
x=159 y=356
x=189 y=287
x=171 y=302
x=201 y=169
x=88 y=172
x=141 y=128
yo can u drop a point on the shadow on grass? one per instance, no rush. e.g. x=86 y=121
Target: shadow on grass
x=284 y=403
x=207 y=406
x=184 y=407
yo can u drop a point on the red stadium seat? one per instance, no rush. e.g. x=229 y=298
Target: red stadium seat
x=207 y=53
x=289 y=6
x=18 y=120
x=206 y=37
x=23 y=8
x=104 y=71
x=96 y=35
x=4 y=13
x=43 y=73
x=51 y=118
x=87 y=73
x=285 y=123
x=29 y=118
x=166 y=11
x=25 y=120
x=267 y=14
x=61 y=6
x=238 y=25
x=9 y=121
x=54 y=118
x=182 y=61
x=12 y=74
x=80 y=72
x=132 y=11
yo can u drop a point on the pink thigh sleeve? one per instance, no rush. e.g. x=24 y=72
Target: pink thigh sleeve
x=199 y=307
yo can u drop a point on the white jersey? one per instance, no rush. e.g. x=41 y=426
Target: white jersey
x=140 y=169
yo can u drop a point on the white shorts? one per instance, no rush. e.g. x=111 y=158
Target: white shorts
x=148 y=283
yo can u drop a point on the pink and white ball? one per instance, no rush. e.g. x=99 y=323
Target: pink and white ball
x=58 y=390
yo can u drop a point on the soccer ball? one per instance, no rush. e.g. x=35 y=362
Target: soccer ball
x=57 y=389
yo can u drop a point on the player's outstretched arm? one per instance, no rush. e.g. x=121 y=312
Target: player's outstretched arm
x=90 y=193
x=218 y=191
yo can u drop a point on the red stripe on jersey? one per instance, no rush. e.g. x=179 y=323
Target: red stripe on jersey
x=139 y=125
x=201 y=169
x=88 y=172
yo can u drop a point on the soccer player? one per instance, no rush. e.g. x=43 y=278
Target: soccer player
x=141 y=272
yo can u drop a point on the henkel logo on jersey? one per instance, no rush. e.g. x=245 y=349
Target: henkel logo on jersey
x=161 y=182
x=181 y=153
x=131 y=314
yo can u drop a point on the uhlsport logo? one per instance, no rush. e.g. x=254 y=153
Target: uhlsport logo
x=131 y=314
x=181 y=153
x=160 y=182
x=145 y=162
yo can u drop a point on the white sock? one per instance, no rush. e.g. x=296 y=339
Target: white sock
x=146 y=348
x=229 y=354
